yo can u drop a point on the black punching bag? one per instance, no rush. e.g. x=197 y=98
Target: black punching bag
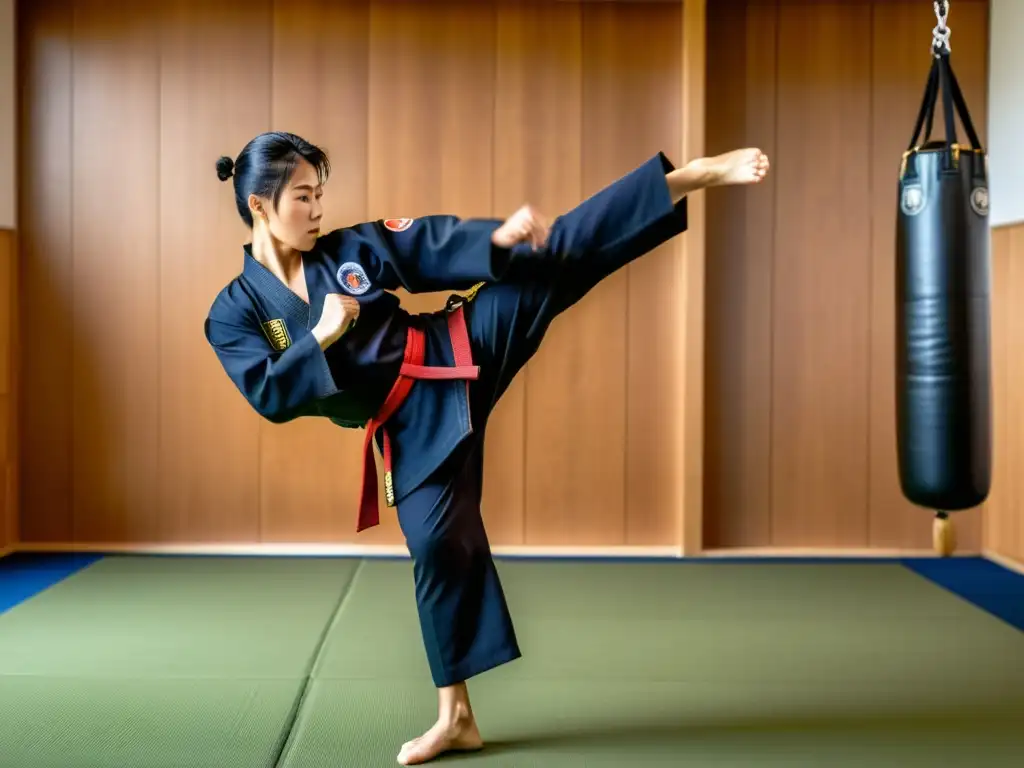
x=943 y=289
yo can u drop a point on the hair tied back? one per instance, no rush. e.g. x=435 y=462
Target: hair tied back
x=225 y=168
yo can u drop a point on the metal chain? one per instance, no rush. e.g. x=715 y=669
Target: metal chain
x=941 y=33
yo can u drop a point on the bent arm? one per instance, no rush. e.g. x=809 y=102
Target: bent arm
x=433 y=253
x=276 y=384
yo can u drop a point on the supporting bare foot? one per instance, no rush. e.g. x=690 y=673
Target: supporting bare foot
x=458 y=734
x=741 y=166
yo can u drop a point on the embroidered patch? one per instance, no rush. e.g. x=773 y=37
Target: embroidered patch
x=912 y=201
x=979 y=200
x=353 y=279
x=397 y=225
x=277 y=334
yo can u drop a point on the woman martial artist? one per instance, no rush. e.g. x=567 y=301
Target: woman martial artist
x=310 y=328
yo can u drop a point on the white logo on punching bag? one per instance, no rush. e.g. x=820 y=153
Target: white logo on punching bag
x=979 y=201
x=913 y=199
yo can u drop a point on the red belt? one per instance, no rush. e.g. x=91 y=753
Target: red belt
x=412 y=369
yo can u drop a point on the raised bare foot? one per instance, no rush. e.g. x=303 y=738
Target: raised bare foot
x=460 y=735
x=741 y=166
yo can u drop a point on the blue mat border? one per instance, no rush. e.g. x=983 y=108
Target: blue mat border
x=987 y=585
x=23 y=575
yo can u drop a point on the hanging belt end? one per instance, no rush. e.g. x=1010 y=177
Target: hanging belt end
x=366 y=521
x=389 y=489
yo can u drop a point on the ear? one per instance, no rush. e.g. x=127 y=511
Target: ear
x=256 y=208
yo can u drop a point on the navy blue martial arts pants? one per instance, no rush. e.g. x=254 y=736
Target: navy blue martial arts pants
x=465 y=621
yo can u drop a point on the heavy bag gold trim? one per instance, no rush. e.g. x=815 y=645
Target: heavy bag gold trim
x=956 y=149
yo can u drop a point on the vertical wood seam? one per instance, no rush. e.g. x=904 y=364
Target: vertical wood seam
x=870 y=431
x=269 y=126
x=692 y=276
x=770 y=501
x=159 y=251
x=70 y=445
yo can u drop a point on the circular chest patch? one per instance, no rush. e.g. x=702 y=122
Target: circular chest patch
x=352 y=278
x=397 y=225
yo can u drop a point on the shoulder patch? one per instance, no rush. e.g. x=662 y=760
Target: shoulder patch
x=397 y=225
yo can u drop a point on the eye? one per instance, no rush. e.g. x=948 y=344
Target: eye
x=304 y=198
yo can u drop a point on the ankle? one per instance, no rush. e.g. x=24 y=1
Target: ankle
x=453 y=705
x=695 y=175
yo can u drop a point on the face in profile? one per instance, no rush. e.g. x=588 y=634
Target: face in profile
x=296 y=221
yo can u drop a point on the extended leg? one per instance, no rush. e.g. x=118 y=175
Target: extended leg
x=622 y=222
x=625 y=220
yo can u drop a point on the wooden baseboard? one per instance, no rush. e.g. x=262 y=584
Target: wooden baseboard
x=335 y=550
x=1007 y=562
x=399 y=550
x=244 y=550
x=837 y=552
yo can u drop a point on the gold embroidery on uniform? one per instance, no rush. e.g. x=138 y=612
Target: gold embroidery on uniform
x=456 y=300
x=389 y=490
x=277 y=334
x=471 y=294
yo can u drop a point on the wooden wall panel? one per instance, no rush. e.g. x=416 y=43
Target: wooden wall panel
x=45 y=216
x=319 y=90
x=800 y=435
x=740 y=222
x=432 y=67
x=214 y=95
x=538 y=158
x=471 y=108
x=821 y=279
x=581 y=472
x=133 y=434
x=8 y=391
x=642 y=126
x=896 y=68
x=115 y=271
x=1003 y=512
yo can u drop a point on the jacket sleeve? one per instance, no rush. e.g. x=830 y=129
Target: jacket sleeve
x=433 y=253
x=276 y=384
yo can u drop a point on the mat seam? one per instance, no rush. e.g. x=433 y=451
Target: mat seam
x=300 y=700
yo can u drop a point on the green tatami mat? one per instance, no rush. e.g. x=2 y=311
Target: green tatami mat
x=694 y=623
x=177 y=616
x=139 y=662
x=581 y=724
x=169 y=662
x=60 y=722
x=677 y=664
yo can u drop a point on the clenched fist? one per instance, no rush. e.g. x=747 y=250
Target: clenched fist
x=340 y=312
x=524 y=226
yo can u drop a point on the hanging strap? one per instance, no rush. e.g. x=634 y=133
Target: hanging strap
x=943 y=78
x=927 y=111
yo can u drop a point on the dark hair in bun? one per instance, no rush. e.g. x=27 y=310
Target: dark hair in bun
x=266 y=164
x=225 y=168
